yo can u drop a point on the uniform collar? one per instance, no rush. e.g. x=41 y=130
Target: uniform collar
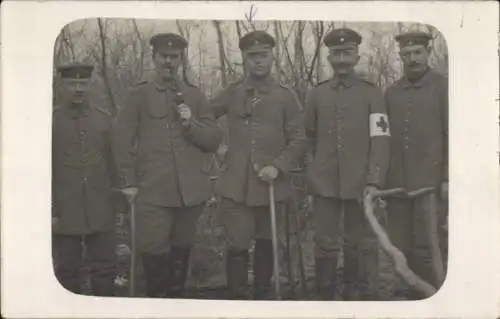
x=264 y=85
x=348 y=80
x=423 y=80
x=173 y=85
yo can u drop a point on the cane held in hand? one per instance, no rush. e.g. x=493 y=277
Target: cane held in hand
x=275 y=241
x=133 y=249
x=274 y=232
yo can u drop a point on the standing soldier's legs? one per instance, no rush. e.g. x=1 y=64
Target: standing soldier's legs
x=327 y=224
x=422 y=254
x=399 y=230
x=238 y=221
x=102 y=262
x=182 y=238
x=263 y=253
x=154 y=224
x=360 y=254
x=67 y=252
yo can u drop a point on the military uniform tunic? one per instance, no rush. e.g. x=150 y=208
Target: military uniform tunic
x=265 y=128
x=346 y=158
x=168 y=162
x=418 y=114
x=171 y=163
x=83 y=171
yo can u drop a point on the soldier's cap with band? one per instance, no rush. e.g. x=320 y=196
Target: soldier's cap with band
x=75 y=71
x=169 y=40
x=342 y=38
x=413 y=38
x=256 y=41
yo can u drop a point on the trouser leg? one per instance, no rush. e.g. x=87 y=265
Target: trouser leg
x=399 y=230
x=327 y=223
x=67 y=253
x=361 y=254
x=154 y=228
x=183 y=234
x=102 y=262
x=263 y=263
x=239 y=223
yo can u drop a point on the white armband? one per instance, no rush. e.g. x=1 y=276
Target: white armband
x=379 y=125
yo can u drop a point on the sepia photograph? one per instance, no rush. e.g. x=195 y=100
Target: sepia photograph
x=250 y=160
x=265 y=159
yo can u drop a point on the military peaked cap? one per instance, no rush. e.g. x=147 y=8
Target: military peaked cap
x=256 y=39
x=170 y=40
x=413 y=38
x=342 y=37
x=75 y=70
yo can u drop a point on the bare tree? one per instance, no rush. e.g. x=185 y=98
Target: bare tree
x=104 y=67
x=222 y=55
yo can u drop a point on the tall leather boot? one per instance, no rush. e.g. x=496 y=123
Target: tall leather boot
x=350 y=274
x=326 y=277
x=156 y=274
x=178 y=269
x=262 y=269
x=237 y=274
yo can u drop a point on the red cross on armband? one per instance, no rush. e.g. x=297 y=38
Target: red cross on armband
x=379 y=125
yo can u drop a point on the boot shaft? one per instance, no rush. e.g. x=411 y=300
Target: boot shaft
x=237 y=274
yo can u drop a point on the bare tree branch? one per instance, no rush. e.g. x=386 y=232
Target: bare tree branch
x=104 y=66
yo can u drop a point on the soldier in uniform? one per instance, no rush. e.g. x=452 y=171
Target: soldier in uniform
x=266 y=137
x=83 y=174
x=164 y=138
x=418 y=113
x=347 y=129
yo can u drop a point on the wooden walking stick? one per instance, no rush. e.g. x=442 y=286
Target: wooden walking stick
x=275 y=241
x=132 y=250
x=397 y=256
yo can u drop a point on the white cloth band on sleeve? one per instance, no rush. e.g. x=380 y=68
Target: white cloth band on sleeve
x=379 y=125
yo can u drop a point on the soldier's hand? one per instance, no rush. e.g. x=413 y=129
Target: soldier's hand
x=443 y=192
x=130 y=193
x=221 y=153
x=184 y=112
x=370 y=190
x=268 y=173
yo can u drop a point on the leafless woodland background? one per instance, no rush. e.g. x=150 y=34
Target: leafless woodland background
x=119 y=48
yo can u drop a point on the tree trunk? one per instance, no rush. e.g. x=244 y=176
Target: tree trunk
x=222 y=58
x=105 y=68
x=277 y=59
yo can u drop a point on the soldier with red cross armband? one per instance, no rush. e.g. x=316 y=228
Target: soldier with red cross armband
x=348 y=133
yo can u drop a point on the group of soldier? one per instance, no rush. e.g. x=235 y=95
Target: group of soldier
x=156 y=153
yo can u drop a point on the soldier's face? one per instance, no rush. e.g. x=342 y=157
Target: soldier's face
x=76 y=89
x=415 y=59
x=258 y=63
x=167 y=62
x=343 y=60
